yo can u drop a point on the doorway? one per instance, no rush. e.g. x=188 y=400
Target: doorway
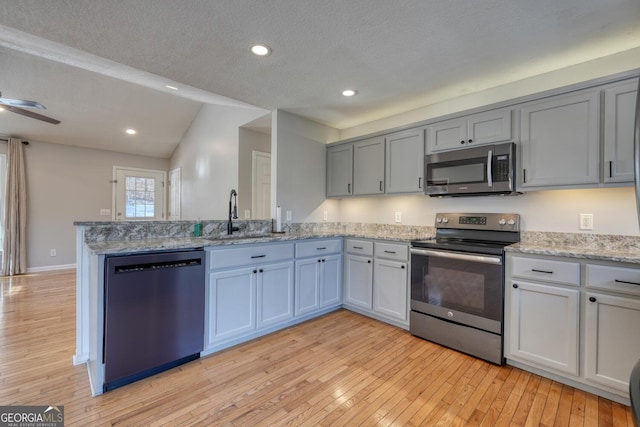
x=261 y=185
x=138 y=194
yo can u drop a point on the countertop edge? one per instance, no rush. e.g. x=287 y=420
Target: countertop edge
x=595 y=254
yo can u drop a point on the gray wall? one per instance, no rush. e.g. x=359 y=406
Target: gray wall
x=208 y=158
x=67 y=184
x=250 y=140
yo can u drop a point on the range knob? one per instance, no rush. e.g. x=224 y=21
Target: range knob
x=445 y=220
x=511 y=222
x=502 y=221
x=438 y=220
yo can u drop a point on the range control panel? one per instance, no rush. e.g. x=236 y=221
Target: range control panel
x=483 y=221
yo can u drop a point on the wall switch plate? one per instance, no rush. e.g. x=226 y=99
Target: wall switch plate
x=105 y=212
x=398 y=216
x=586 y=221
x=288 y=215
x=325 y=216
x=247 y=214
x=52 y=252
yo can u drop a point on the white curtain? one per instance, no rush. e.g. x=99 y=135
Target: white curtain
x=15 y=214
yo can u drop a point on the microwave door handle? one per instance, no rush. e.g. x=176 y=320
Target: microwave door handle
x=489 y=167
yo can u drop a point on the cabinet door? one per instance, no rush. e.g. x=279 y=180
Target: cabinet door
x=447 y=135
x=612 y=346
x=275 y=293
x=390 y=289
x=619 y=116
x=331 y=280
x=544 y=325
x=358 y=281
x=340 y=170
x=307 y=285
x=560 y=141
x=368 y=166
x=232 y=303
x=405 y=162
x=485 y=128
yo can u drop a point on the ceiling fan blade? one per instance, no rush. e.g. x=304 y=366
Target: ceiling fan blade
x=22 y=103
x=31 y=114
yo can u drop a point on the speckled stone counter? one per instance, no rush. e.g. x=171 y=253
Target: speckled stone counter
x=122 y=238
x=585 y=246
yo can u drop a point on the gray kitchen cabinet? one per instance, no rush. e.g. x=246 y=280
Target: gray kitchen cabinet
x=619 y=116
x=358 y=281
x=232 y=304
x=368 y=166
x=318 y=276
x=404 y=165
x=390 y=288
x=340 y=170
x=476 y=129
x=274 y=294
x=560 y=140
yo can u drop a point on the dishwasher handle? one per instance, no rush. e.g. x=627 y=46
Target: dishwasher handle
x=161 y=265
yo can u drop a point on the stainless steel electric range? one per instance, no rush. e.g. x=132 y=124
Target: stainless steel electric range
x=457 y=282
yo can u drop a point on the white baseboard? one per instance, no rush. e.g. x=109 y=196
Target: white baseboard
x=51 y=268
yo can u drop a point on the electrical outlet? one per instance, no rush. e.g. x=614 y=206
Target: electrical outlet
x=398 y=216
x=105 y=212
x=325 y=216
x=247 y=214
x=52 y=252
x=586 y=221
x=288 y=215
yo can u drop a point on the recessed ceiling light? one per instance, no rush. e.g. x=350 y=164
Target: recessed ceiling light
x=131 y=131
x=171 y=87
x=261 y=50
x=349 y=92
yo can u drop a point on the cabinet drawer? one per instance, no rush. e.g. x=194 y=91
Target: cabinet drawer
x=392 y=251
x=318 y=247
x=615 y=279
x=361 y=247
x=543 y=269
x=249 y=255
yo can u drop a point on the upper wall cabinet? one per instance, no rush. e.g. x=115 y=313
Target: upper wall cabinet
x=560 y=140
x=404 y=168
x=340 y=170
x=476 y=129
x=619 y=108
x=368 y=166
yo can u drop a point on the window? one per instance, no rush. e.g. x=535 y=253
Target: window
x=138 y=194
x=140 y=197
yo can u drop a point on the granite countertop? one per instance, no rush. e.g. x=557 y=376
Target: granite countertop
x=110 y=247
x=630 y=253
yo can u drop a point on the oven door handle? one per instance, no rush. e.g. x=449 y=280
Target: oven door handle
x=486 y=259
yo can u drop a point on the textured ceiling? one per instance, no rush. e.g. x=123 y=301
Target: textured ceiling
x=399 y=54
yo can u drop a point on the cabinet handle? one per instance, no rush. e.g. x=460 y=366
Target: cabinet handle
x=462 y=142
x=380 y=185
x=419 y=182
x=610 y=169
x=592 y=299
x=358 y=247
x=257 y=256
x=627 y=282
x=515 y=286
x=389 y=252
x=323 y=260
x=524 y=175
x=318 y=260
x=470 y=141
x=368 y=261
x=255 y=271
x=402 y=267
x=261 y=270
x=349 y=188
x=541 y=271
x=321 y=249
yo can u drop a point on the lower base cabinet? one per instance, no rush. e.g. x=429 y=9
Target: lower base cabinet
x=390 y=288
x=358 y=281
x=317 y=283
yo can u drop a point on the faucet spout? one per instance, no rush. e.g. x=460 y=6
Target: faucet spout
x=233 y=212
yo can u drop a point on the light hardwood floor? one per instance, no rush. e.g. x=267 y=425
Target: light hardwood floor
x=340 y=369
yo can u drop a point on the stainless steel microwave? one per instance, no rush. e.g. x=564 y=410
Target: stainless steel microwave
x=477 y=171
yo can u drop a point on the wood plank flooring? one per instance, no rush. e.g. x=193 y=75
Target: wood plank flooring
x=340 y=369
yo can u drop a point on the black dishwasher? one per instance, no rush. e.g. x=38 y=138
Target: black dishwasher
x=153 y=314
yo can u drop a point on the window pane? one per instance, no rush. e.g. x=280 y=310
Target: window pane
x=140 y=197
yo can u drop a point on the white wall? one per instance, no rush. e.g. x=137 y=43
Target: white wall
x=448 y=103
x=67 y=184
x=208 y=156
x=250 y=140
x=299 y=155
x=613 y=209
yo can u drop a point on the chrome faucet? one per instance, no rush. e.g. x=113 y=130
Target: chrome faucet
x=233 y=213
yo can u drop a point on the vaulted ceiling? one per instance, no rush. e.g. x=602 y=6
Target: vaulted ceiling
x=102 y=66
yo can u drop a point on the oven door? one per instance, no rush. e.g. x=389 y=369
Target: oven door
x=460 y=287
